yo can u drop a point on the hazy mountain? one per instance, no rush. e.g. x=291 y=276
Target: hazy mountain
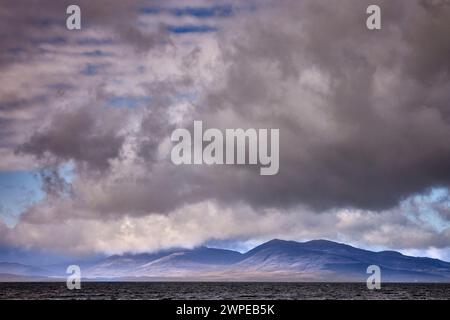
x=165 y=263
x=276 y=260
x=21 y=269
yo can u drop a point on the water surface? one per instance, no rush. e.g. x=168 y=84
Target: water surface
x=211 y=290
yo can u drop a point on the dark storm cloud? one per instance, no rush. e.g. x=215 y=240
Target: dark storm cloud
x=369 y=124
x=363 y=115
x=363 y=118
x=88 y=135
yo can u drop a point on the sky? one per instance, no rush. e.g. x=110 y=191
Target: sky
x=86 y=118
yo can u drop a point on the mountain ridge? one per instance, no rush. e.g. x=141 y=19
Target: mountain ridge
x=274 y=260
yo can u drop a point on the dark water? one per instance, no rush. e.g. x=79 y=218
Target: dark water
x=207 y=290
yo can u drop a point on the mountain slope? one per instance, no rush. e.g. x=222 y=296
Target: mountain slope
x=165 y=263
x=327 y=260
x=21 y=269
x=275 y=260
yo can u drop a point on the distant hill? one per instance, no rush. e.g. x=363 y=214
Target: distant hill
x=21 y=269
x=275 y=260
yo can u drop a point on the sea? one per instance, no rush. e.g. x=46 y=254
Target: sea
x=222 y=291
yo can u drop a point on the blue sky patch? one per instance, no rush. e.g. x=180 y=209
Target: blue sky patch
x=191 y=29
x=221 y=11
x=127 y=101
x=18 y=190
x=204 y=12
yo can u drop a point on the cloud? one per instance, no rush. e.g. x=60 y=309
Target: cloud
x=196 y=224
x=363 y=119
x=23 y=23
x=87 y=135
x=362 y=115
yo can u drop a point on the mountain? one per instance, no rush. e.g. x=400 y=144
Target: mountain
x=176 y=262
x=21 y=269
x=322 y=260
x=275 y=260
